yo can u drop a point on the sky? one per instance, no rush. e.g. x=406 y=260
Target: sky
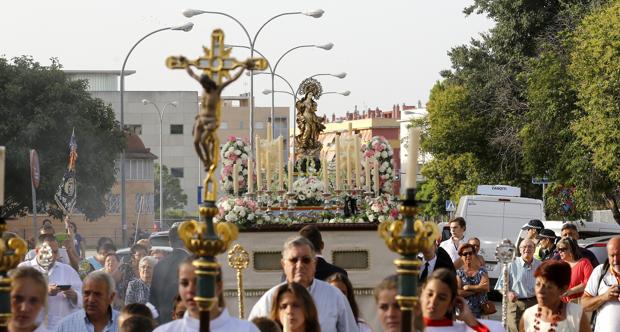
x=391 y=50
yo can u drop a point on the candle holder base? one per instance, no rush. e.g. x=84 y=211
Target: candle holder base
x=291 y=204
x=326 y=200
x=281 y=195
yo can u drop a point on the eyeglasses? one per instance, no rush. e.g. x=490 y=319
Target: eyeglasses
x=562 y=249
x=304 y=260
x=467 y=253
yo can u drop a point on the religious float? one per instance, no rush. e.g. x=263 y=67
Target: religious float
x=346 y=193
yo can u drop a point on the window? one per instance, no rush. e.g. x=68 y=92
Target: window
x=351 y=259
x=134 y=129
x=259 y=125
x=177 y=172
x=176 y=129
x=113 y=203
x=139 y=169
x=145 y=203
x=267 y=260
x=224 y=125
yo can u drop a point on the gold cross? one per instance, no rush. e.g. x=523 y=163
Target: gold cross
x=216 y=62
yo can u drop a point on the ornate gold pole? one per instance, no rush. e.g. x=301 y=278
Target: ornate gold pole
x=206 y=239
x=239 y=259
x=408 y=238
x=11 y=253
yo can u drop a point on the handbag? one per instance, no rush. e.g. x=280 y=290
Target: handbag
x=488 y=308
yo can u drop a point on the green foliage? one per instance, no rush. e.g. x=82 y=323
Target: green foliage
x=567 y=202
x=174 y=197
x=39 y=107
x=449 y=177
x=595 y=69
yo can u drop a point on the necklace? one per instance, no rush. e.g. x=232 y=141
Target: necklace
x=555 y=318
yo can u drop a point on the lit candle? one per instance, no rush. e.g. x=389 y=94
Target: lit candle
x=325 y=175
x=280 y=165
x=290 y=175
x=349 y=173
x=259 y=179
x=267 y=170
x=376 y=177
x=250 y=177
x=338 y=162
x=356 y=160
x=236 y=179
x=367 y=174
x=412 y=157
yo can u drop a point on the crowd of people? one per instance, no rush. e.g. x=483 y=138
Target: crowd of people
x=553 y=286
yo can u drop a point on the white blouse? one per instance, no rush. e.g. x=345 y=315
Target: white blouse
x=222 y=323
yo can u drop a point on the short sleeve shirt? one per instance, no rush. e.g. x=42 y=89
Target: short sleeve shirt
x=608 y=319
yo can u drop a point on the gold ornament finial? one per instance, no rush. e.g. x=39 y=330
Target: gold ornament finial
x=239 y=259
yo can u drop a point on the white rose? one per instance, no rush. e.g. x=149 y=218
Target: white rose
x=226 y=206
x=384 y=154
x=231 y=149
x=250 y=216
x=242 y=213
x=246 y=148
x=226 y=154
x=238 y=152
x=385 y=164
x=390 y=152
x=371 y=217
x=231 y=217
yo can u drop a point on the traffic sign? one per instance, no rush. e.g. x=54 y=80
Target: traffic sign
x=35 y=172
x=543 y=180
x=450 y=206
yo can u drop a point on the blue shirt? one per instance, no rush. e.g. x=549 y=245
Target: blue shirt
x=78 y=321
x=522 y=280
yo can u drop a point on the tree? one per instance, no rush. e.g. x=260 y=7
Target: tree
x=174 y=198
x=39 y=108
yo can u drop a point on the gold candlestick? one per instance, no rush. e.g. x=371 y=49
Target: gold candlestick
x=239 y=259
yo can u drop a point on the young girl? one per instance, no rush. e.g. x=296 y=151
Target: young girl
x=440 y=304
x=220 y=320
x=28 y=297
x=294 y=309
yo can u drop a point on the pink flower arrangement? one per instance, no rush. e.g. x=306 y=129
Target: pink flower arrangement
x=378 y=150
x=235 y=150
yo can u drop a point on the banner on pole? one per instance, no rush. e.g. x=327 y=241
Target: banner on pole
x=66 y=195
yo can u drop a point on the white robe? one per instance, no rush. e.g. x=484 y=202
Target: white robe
x=222 y=323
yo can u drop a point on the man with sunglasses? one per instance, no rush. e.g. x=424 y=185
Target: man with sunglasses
x=521 y=292
x=299 y=264
x=64 y=283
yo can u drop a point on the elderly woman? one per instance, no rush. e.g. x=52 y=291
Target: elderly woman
x=551 y=313
x=581 y=268
x=472 y=279
x=138 y=290
x=130 y=270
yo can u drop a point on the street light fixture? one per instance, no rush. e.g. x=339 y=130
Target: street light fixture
x=161 y=154
x=344 y=93
x=185 y=27
x=339 y=75
x=252 y=42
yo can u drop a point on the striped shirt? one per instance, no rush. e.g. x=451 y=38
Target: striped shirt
x=78 y=321
x=522 y=280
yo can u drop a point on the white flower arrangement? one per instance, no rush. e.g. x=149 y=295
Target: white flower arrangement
x=239 y=210
x=378 y=149
x=234 y=150
x=381 y=208
x=308 y=190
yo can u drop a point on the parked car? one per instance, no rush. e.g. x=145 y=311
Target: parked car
x=597 y=245
x=159 y=239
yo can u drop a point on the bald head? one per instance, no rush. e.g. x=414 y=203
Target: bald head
x=613 y=252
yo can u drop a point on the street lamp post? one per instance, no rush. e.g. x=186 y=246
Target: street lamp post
x=252 y=42
x=185 y=27
x=161 y=154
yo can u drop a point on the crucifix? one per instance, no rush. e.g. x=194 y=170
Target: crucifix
x=216 y=65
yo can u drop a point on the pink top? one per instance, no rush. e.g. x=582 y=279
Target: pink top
x=579 y=274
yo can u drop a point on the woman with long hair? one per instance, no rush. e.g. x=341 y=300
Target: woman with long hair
x=294 y=310
x=551 y=313
x=220 y=320
x=343 y=283
x=441 y=306
x=28 y=298
x=580 y=268
x=472 y=279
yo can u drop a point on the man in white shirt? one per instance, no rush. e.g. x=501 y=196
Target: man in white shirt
x=457 y=230
x=64 y=284
x=299 y=264
x=602 y=293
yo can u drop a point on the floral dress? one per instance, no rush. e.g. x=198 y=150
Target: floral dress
x=474 y=301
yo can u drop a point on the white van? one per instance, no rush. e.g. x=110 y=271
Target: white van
x=492 y=218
